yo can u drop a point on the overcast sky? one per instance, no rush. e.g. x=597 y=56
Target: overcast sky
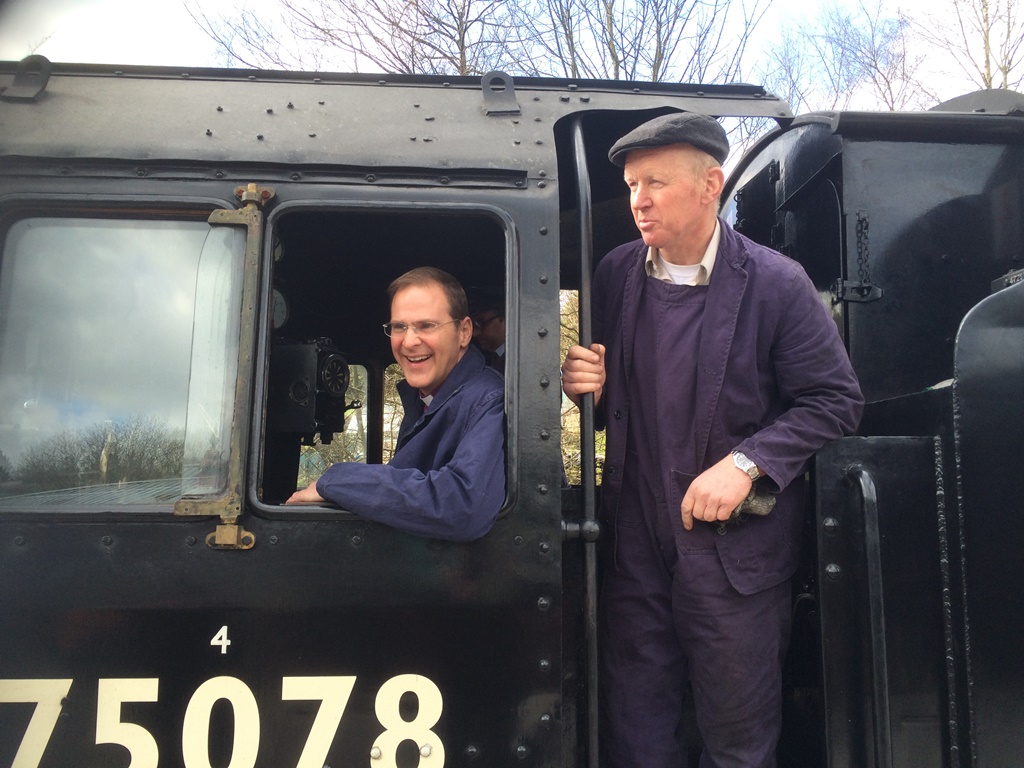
x=162 y=32
x=104 y=32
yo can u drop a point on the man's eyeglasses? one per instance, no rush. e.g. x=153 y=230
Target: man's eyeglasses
x=479 y=323
x=423 y=328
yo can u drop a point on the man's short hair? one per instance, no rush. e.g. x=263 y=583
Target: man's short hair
x=458 y=306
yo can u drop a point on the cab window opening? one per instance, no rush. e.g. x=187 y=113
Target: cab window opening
x=332 y=270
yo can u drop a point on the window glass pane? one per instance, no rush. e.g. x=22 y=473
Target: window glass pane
x=118 y=355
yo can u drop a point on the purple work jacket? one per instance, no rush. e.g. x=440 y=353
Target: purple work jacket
x=773 y=381
x=447 y=477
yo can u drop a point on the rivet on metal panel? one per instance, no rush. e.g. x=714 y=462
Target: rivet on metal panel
x=65 y=170
x=545 y=665
x=536 y=98
x=517 y=142
x=522 y=752
x=542 y=489
x=274 y=539
x=544 y=231
x=107 y=541
x=259 y=136
x=371 y=178
x=375 y=753
x=545 y=381
x=220 y=109
x=545 y=435
x=541 y=184
x=833 y=572
x=296 y=175
x=542 y=332
x=545 y=719
x=830 y=524
x=270 y=110
x=445 y=180
x=538 y=142
x=141 y=172
x=430 y=119
x=19 y=541
x=357 y=541
x=191 y=541
x=544 y=547
x=518 y=541
x=425 y=750
x=700 y=93
x=564 y=98
x=290 y=105
x=312 y=135
x=537 y=119
x=585 y=99
x=472 y=751
x=209 y=132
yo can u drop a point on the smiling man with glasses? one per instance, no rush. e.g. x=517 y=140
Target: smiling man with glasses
x=447 y=477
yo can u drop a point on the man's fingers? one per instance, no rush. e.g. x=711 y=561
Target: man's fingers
x=686 y=508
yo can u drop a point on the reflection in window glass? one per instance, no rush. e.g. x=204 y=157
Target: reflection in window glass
x=118 y=355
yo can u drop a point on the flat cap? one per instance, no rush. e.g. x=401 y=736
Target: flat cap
x=700 y=131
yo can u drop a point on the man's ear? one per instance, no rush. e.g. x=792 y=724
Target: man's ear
x=714 y=182
x=465 y=332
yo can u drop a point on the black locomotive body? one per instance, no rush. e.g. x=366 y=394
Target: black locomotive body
x=192 y=286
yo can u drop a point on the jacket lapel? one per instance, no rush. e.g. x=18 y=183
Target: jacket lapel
x=631 y=293
x=721 y=313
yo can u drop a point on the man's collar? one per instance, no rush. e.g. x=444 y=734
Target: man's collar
x=655 y=265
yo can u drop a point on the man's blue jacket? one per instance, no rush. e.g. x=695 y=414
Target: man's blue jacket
x=447 y=477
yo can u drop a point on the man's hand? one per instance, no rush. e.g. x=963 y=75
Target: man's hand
x=307 y=495
x=583 y=371
x=715 y=493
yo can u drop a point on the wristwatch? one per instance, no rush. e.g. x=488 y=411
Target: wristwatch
x=742 y=462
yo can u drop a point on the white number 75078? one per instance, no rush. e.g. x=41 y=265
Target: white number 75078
x=332 y=692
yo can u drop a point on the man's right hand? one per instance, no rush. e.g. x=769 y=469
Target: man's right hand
x=583 y=371
x=307 y=495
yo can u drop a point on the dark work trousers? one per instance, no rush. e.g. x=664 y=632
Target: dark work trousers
x=668 y=613
x=668 y=616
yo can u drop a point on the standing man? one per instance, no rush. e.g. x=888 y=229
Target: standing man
x=447 y=477
x=716 y=369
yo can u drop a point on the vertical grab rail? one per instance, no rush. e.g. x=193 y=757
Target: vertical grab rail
x=876 y=614
x=588 y=469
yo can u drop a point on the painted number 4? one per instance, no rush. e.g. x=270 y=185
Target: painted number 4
x=221 y=639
